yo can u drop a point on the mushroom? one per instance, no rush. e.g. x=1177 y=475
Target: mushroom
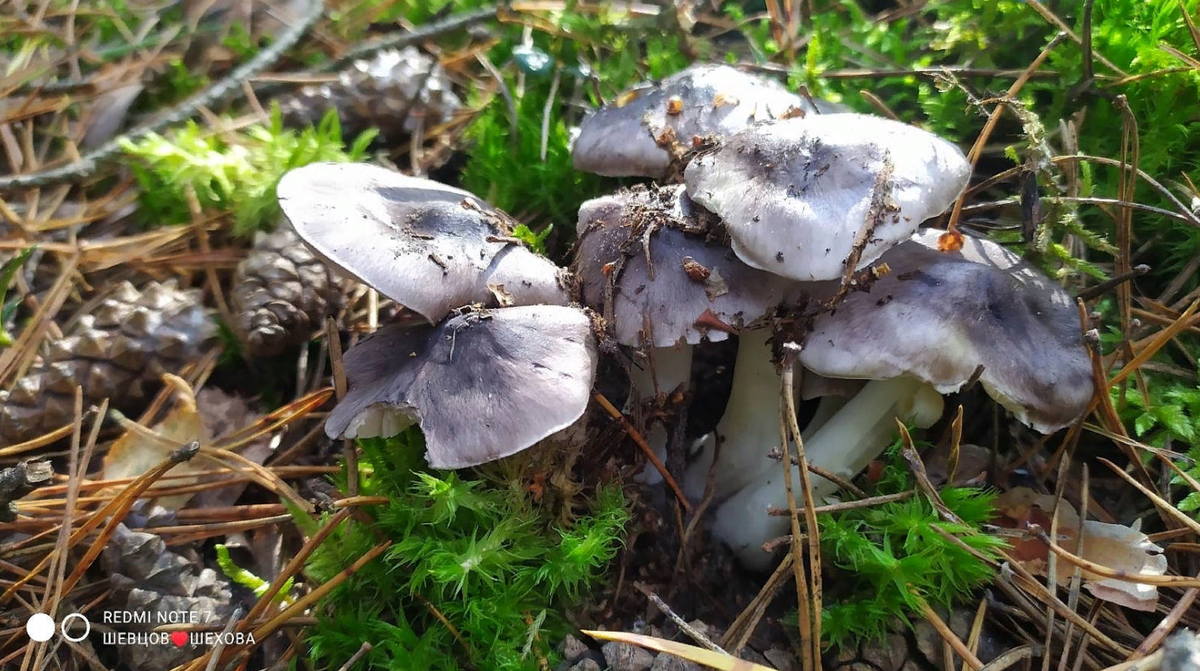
x=794 y=194
x=644 y=262
x=430 y=247
x=647 y=127
x=483 y=384
x=933 y=324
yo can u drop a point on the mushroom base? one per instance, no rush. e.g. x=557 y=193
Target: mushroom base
x=844 y=445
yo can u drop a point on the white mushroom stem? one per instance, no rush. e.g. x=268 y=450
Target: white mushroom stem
x=697 y=474
x=749 y=429
x=672 y=367
x=844 y=445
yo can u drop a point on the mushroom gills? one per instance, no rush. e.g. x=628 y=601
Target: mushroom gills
x=483 y=385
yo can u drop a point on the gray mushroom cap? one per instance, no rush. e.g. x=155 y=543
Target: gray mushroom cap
x=795 y=193
x=623 y=138
x=691 y=277
x=430 y=247
x=483 y=385
x=939 y=316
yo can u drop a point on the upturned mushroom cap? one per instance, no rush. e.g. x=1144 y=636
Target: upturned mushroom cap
x=483 y=385
x=626 y=138
x=939 y=316
x=680 y=287
x=796 y=193
x=428 y=246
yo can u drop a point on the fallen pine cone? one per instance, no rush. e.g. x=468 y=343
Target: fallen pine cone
x=145 y=576
x=390 y=91
x=119 y=351
x=281 y=292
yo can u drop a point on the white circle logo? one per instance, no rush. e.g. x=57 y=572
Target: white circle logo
x=87 y=627
x=40 y=627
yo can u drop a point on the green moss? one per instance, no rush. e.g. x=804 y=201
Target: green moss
x=477 y=577
x=235 y=171
x=893 y=559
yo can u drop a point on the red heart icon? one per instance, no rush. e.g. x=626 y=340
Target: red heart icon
x=179 y=638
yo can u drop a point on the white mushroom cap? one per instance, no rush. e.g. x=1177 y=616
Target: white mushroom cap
x=939 y=316
x=795 y=193
x=428 y=246
x=621 y=139
x=665 y=301
x=483 y=385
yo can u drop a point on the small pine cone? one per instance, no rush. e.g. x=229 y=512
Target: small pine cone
x=281 y=292
x=119 y=351
x=390 y=91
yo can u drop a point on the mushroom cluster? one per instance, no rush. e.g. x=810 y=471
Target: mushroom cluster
x=782 y=202
x=767 y=204
x=499 y=359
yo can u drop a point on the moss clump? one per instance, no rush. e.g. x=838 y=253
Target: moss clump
x=894 y=558
x=233 y=172
x=477 y=577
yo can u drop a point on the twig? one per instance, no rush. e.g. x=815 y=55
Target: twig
x=641 y=442
x=686 y=628
x=977 y=149
x=853 y=505
x=881 y=205
x=949 y=636
x=842 y=483
x=1010 y=658
x=1107 y=285
x=421 y=34
x=1058 y=23
x=748 y=619
x=788 y=406
x=231 y=84
x=1076 y=573
x=1158 y=500
x=349 y=451
x=1085 y=81
x=362 y=650
x=220 y=646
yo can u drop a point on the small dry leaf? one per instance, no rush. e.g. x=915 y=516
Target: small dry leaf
x=716 y=660
x=199 y=416
x=136 y=452
x=1115 y=546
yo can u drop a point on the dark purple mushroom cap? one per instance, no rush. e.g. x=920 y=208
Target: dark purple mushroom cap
x=483 y=385
x=939 y=316
x=623 y=138
x=694 y=285
x=430 y=247
x=795 y=193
